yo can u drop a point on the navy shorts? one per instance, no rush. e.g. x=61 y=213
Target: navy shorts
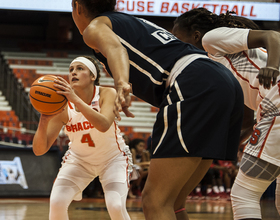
x=201 y=115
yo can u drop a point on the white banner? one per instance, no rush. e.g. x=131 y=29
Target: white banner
x=37 y=5
x=168 y=8
x=11 y=172
x=251 y=10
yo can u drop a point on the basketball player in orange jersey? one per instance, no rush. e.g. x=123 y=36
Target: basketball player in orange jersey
x=257 y=71
x=96 y=147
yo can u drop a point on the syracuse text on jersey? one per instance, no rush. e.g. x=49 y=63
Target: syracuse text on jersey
x=80 y=126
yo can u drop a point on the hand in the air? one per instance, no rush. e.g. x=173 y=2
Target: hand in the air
x=123 y=99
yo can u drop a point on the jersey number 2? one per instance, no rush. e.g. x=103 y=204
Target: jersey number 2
x=87 y=139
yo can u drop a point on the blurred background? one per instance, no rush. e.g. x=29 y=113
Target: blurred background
x=40 y=37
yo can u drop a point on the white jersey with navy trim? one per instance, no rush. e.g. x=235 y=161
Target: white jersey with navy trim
x=224 y=45
x=151 y=56
x=89 y=144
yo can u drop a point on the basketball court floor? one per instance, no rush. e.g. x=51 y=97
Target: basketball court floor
x=93 y=208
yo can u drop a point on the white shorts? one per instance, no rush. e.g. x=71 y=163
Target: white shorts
x=264 y=142
x=82 y=173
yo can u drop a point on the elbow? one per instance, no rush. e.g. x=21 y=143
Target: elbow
x=104 y=126
x=37 y=153
x=104 y=129
x=273 y=36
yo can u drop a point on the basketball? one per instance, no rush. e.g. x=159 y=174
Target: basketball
x=43 y=96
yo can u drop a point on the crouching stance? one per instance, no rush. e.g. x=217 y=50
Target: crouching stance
x=96 y=147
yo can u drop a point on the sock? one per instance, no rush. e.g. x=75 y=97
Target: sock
x=221 y=189
x=215 y=189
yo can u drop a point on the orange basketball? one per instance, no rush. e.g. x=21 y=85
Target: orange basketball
x=43 y=96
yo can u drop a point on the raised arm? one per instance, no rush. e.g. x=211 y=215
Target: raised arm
x=102 y=120
x=271 y=41
x=99 y=36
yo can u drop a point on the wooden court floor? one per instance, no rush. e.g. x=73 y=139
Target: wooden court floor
x=87 y=209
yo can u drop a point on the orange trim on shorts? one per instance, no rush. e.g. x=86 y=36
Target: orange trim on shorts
x=266 y=137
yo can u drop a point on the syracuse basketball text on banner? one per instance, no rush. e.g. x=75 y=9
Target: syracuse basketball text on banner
x=252 y=10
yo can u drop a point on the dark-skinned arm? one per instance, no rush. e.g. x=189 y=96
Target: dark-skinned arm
x=271 y=41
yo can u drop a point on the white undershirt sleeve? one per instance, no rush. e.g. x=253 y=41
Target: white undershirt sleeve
x=224 y=40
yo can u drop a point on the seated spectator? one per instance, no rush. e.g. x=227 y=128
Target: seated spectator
x=224 y=173
x=141 y=158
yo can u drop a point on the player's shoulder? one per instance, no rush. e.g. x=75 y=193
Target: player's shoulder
x=224 y=33
x=107 y=91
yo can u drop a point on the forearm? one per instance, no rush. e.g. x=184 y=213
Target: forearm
x=40 y=140
x=99 y=121
x=269 y=40
x=118 y=62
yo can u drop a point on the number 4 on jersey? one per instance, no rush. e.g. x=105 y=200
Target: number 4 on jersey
x=87 y=139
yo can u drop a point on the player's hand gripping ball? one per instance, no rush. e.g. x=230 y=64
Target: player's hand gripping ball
x=43 y=96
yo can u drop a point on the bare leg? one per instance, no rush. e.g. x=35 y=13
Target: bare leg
x=194 y=180
x=166 y=178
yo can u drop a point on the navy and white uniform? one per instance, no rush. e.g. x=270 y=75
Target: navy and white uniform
x=200 y=101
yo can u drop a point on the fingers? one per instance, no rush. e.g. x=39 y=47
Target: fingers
x=127 y=112
x=62 y=84
x=62 y=79
x=275 y=75
x=122 y=102
x=268 y=76
x=124 y=110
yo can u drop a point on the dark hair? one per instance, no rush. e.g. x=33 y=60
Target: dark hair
x=203 y=20
x=96 y=64
x=135 y=142
x=96 y=7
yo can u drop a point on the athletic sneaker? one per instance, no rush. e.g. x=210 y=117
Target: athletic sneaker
x=191 y=195
x=224 y=196
x=198 y=196
x=212 y=196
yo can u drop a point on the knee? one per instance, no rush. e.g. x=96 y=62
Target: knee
x=277 y=204
x=245 y=203
x=146 y=202
x=58 y=206
x=113 y=203
x=277 y=197
x=150 y=203
x=114 y=206
x=58 y=203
